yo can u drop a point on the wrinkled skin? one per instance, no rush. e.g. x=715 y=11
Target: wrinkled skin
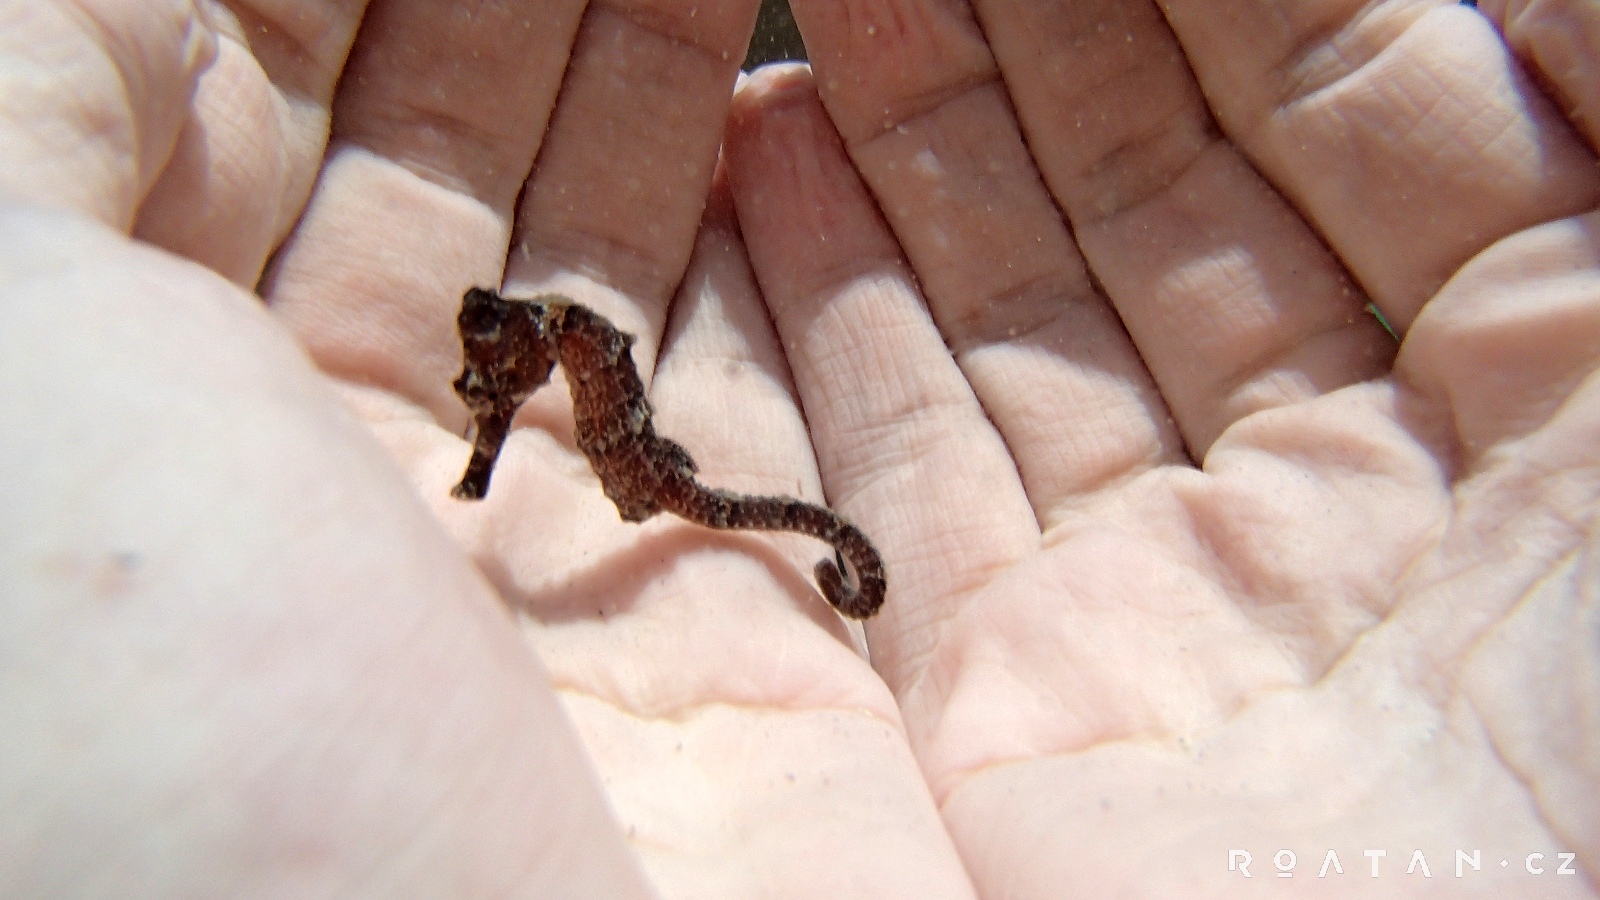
x=1186 y=555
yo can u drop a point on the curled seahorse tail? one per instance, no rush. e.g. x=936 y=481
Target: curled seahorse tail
x=843 y=597
x=858 y=599
x=857 y=604
x=863 y=599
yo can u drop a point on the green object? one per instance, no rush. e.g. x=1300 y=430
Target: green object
x=1382 y=321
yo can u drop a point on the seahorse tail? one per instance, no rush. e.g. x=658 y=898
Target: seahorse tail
x=863 y=599
x=723 y=509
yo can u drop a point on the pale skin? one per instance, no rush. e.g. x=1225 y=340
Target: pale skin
x=1183 y=557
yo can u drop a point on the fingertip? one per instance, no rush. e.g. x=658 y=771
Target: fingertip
x=805 y=213
x=777 y=73
x=773 y=84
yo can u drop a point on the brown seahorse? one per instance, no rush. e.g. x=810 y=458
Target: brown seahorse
x=509 y=348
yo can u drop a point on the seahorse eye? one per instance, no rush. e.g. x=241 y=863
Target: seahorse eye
x=482 y=312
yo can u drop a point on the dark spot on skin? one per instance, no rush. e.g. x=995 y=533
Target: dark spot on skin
x=509 y=348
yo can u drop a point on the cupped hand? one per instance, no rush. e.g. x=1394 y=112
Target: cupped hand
x=247 y=655
x=240 y=654
x=1186 y=556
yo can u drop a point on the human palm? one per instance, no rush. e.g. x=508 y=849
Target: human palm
x=1365 y=621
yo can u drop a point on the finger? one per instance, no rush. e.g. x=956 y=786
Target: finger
x=914 y=93
x=257 y=127
x=92 y=97
x=1559 y=40
x=904 y=447
x=1510 y=339
x=220 y=587
x=727 y=671
x=1234 y=303
x=723 y=389
x=439 y=114
x=610 y=214
x=1407 y=135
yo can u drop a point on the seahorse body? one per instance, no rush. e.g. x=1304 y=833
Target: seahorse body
x=510 y=348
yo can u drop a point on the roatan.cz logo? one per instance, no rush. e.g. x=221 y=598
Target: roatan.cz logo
x=1377 y=864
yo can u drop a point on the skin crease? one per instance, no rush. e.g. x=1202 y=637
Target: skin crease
x=1062 y=304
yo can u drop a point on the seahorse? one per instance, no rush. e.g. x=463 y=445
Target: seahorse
x=510 y=347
